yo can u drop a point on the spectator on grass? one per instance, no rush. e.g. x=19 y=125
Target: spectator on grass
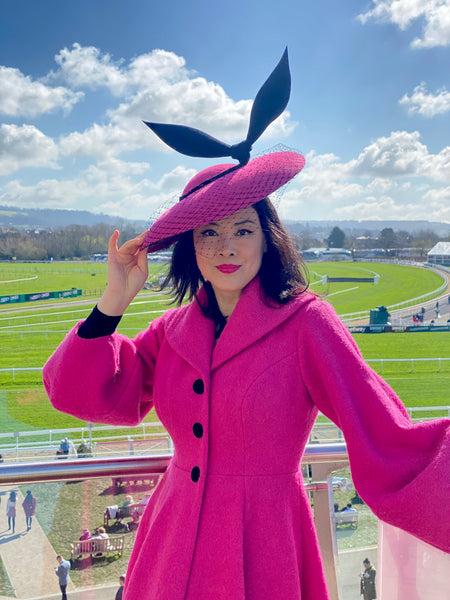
x=62 y=572
x=29 y=507
x=119 y=592
x=11 y=511
x=64 y=448
x=128 y=500
x=349 y=508
x=85 y=535
x=101 y=533
x=239 y=374
x=146 y=498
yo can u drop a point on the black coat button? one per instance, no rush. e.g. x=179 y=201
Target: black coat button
x=198 y=430
x=198 y=386
x=195 y=474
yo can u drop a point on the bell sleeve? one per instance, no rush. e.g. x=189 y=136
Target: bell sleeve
x=400 y=469
x=106 y=379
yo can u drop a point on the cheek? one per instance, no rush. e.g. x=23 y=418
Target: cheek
x=202 y=263
x=205 y=248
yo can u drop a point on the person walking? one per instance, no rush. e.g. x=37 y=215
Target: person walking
x=119 y=592
x=11 y=511
x=368 y=589
x=62 y=572
x=29 y=507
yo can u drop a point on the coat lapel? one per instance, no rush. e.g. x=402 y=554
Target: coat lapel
x=251 y=320
x=191 y=335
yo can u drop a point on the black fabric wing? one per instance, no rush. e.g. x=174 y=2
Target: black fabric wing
x=270 y=102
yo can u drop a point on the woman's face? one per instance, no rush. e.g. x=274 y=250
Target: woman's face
x=229 y=252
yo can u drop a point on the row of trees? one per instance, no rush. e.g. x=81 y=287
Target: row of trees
x=388 y=239
x=73 y=241
x=80 y=241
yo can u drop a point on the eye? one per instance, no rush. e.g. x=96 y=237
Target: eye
x=208 y=233
x=241 y=232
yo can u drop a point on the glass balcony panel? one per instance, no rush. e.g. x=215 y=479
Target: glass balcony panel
x=65 y=511
x=89 y=493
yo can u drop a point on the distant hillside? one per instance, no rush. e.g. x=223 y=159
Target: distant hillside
x=45 y=218
x=356 y=228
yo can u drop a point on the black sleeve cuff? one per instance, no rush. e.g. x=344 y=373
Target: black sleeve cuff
x=97 y=325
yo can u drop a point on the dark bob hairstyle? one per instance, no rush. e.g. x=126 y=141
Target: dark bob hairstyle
x=282 y=273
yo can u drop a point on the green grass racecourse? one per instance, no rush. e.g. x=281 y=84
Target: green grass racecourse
x=397 y=283
x=30 y=332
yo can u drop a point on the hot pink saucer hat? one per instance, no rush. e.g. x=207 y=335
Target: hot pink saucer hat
x=221 y=190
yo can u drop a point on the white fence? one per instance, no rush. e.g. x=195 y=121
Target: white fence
x=17 y=446
x=411 y=361
x=381 y=361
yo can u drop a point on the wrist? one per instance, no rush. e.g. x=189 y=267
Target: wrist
x=112 y=304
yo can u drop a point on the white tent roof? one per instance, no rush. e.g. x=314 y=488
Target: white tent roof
x=440 y=249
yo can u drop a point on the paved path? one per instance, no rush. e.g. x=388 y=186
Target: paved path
x=28 y=556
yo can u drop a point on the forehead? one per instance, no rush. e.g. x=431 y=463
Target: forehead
x=237 y=218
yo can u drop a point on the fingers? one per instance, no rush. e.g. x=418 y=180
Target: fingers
x=112 y=244
x=133 y=245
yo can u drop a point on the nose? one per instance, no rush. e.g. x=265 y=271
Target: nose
x=227 y=246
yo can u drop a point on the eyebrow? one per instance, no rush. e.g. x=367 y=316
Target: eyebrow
x=237 y=223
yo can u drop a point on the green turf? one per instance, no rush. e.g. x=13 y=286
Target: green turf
x=31 y=332
x=81 y=505
x=6 y=589
x=397 y=283
x=404 y=345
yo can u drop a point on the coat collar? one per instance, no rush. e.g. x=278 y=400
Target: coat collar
x=191 y=334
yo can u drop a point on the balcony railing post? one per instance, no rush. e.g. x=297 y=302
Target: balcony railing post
x=326 y=533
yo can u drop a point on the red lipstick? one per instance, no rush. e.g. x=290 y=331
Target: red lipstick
x=228 y=268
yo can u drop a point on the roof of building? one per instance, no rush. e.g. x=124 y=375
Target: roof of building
x=441 y=248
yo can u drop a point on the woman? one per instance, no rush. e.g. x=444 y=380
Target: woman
x=11 y=511
x=85 y=535
x=237 y=377
x=29 y=507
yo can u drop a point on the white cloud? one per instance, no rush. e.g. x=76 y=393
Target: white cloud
x=434 y=13
x=380 y=185
x=25 y=146
x=112 y=187
x=438 y=204
x=433 y=207
x=99 y=141
x=87 y=67
x=399 y=154
x=156 y=87
x=20 y=95
x=425 y=104
x=393 y=178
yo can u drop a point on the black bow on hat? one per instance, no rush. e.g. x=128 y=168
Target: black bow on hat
x=270 y=102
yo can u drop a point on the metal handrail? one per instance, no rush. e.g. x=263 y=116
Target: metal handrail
x=83 y=468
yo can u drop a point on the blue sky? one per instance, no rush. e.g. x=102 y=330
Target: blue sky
x=369 y=108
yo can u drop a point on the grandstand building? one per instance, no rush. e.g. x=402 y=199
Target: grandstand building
x=330 y=254
x=440 y=254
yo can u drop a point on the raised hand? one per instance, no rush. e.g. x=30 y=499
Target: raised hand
x=127 y=273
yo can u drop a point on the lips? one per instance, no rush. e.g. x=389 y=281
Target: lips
x=228 y=268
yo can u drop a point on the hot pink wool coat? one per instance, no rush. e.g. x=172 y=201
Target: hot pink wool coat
x=230 y=520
